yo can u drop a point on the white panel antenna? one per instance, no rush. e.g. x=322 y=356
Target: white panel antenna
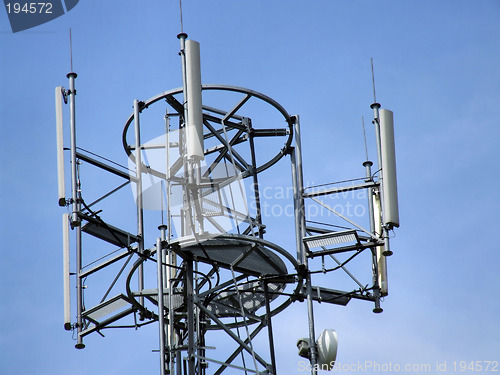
x=194 y=128
x=388 y=151
x=380 y=250
x=66 y=272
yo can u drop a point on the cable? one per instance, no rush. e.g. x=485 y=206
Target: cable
x=339 y=266
x=102 y=157
x=364 y=136
x=335 y=183
x=328 y=225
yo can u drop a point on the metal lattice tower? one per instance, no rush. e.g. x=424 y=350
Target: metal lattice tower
x=206 y=267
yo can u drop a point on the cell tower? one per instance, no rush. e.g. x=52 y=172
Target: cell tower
x=189 y=250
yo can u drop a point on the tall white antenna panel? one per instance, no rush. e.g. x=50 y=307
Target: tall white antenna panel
x=388 y=150
x=194 y=127
x=381 y=258
x=66 y=283
x=60 y=147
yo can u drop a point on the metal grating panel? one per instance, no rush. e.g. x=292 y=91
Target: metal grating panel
x=106 y=232
x=227 y=253
x=333 y=238
x=332 y=241
x=106 y=308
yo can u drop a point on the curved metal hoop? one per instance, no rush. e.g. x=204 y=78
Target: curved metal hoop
x=169 y=96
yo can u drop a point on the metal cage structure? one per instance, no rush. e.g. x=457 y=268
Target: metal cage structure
x=208 y=266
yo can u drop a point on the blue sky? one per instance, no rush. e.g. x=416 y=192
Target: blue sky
x=436 y=67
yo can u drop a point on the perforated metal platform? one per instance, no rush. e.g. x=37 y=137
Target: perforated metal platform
x=247 y=255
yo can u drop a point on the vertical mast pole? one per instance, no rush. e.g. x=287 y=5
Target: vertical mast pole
x=258 y=215
x=190 y=316
x=296 y=205
x=66 y=273
x=79 y=287
x=75 y=202
x=168 y=326
x=376 y=122
x=74 y=189
x=302 y=230
x=186 y=217
x=186 y=211
x=269 y=327
x=161 y=301
x=368 y=164
x=182 y=37
x=166 y=235
x=138 y=172
x=60 y=146
x=368 y=170
x=299 y=181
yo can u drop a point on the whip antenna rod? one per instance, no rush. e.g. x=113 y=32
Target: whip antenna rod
x=180 y=11
x=373 y=82
x=364 y=136
x=70 y=50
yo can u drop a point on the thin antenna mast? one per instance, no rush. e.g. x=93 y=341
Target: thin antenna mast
x=70 y=49
x=364 y=136
x=373 y=81
x=180 y=11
